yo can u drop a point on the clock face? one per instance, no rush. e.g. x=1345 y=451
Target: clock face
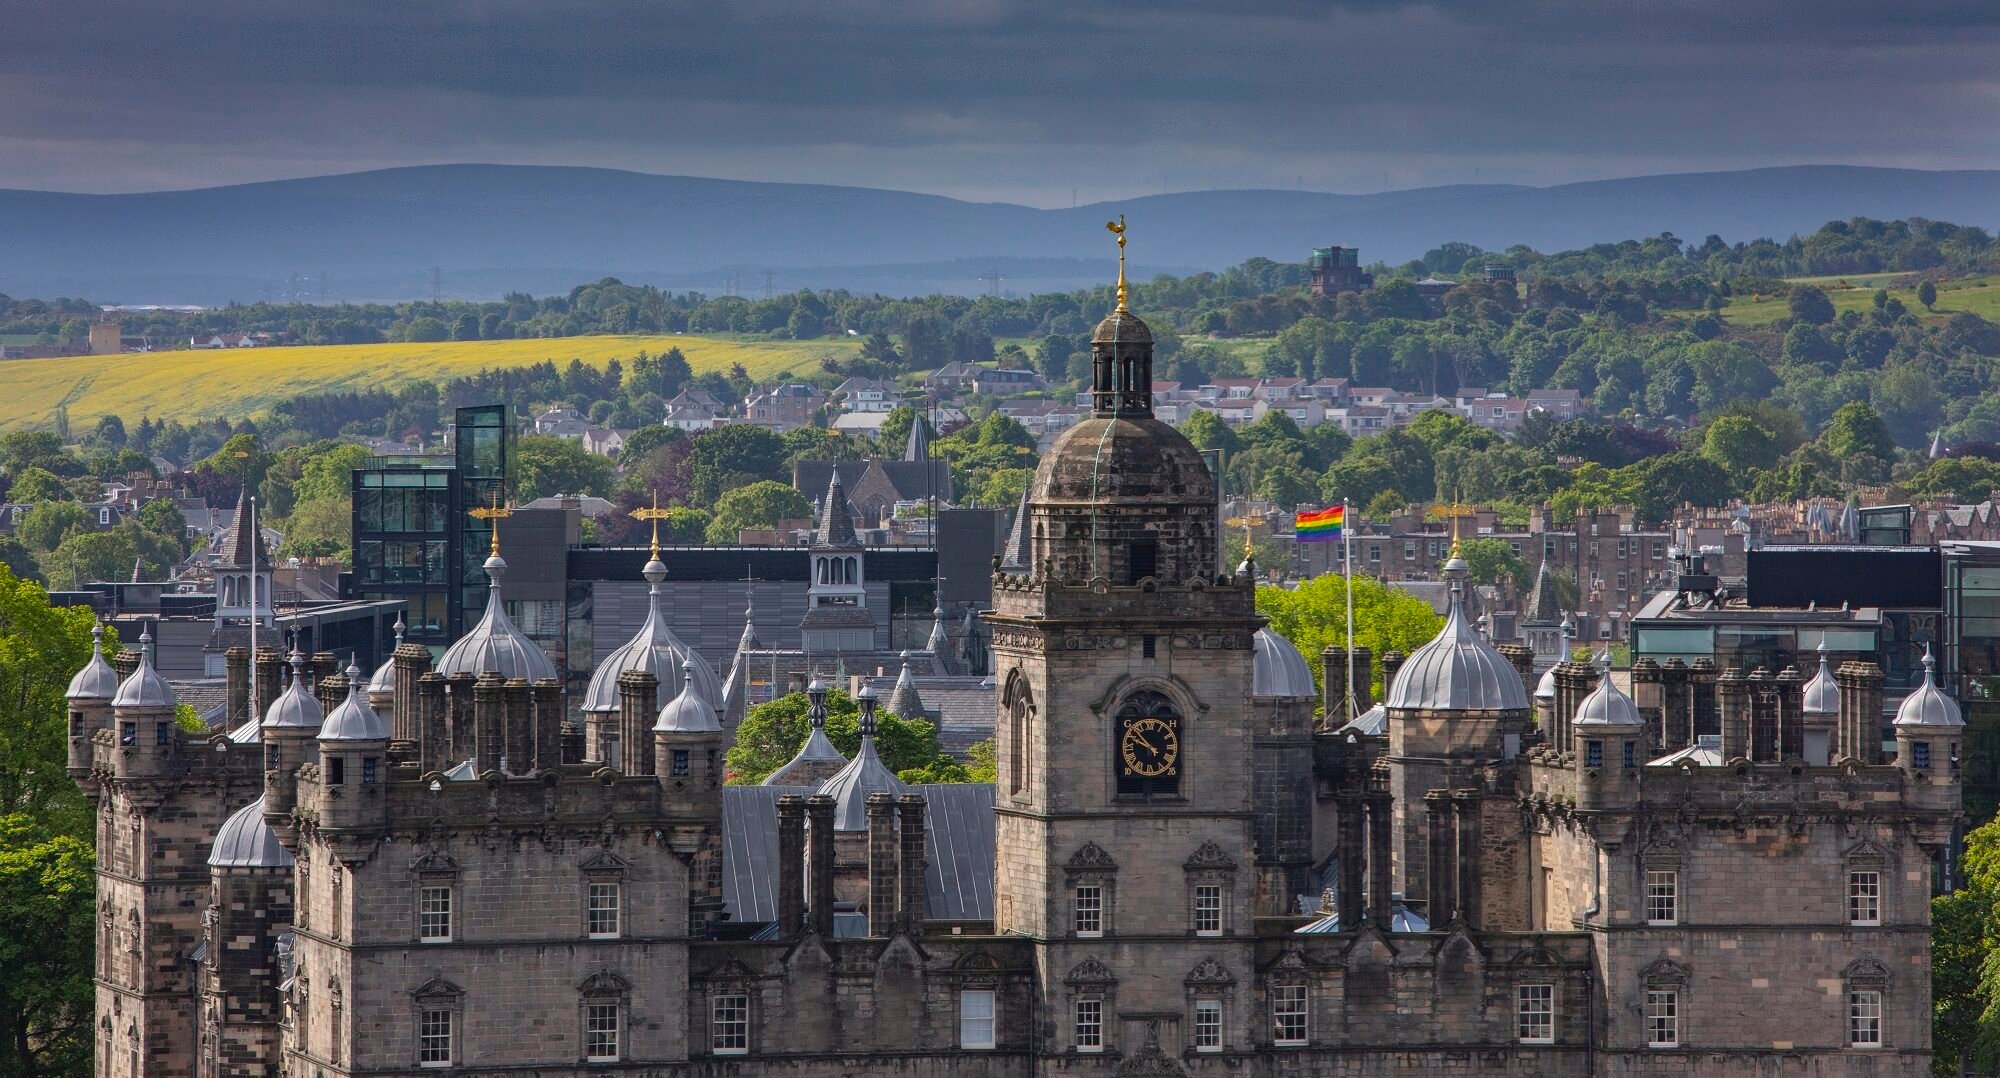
x=1151 y=748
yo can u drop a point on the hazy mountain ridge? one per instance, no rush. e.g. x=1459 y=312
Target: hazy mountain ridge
x=495 y=228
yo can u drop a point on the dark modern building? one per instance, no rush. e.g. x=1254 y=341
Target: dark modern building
x=413 y=526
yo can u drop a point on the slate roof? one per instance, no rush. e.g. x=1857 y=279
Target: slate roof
x=958 y=846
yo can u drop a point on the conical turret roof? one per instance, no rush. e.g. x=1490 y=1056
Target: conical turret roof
x=1020 y=545
x=1821 y=695
x=354 y=720
x=97 y=680
x=836 y=517
x=865 y=774
x=903 y=699
x=1929 y=706
x=145 y=687
x=243 y=542
x=654 y=649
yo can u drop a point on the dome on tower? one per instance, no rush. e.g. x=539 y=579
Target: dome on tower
x=1607 y=705
x=657 y=651
x=1929 y=706
x=1104 y=458
x=145 y=687
x=1457 y=671
x=689 y=712
x=495 y=645
x=1545 y=689
x=865 y=774
x=1822 y=693
x=1277 y=668
x=384 y=679
x=96 y=681
x=1122 y=327
x=246 y=841
x=354 y=720
x=295 y=707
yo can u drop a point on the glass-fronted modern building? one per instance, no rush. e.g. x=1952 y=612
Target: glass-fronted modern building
x=415 y=538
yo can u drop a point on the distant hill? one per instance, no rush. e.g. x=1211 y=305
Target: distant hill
x=497 y=228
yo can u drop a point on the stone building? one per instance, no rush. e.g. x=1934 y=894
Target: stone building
x=1179 y=871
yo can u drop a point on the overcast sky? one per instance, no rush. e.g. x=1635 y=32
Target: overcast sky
x=1017 y=100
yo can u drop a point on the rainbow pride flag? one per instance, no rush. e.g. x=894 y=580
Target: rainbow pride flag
x=1320 y=525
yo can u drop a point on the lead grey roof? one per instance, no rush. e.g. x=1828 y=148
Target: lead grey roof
x=1457 y=671
x=904 y=700
x=295 y=707
x=1373 y=722
x=495 y=645
x=384 y=679
x=97 y=680
x=1822 y=693
x=1544 y=607
x=836 y=517
x=1705 y=752
x=865 y=774
x=1019 y=546
x=1607 y=705
x=354 y=720
x=1545 y=689
x=246 y=841
x=958 y=850
x=689 y=712
x=145 y=687
x=1277 y=668
x=657 y=651
x=1929 y=706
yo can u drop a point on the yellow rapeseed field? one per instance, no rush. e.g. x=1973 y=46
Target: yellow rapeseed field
x=237 y=383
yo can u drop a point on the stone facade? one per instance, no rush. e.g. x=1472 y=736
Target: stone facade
x=1177 y=874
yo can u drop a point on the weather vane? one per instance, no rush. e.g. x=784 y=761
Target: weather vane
x=655 y=514
x=495 y=514
x=1118 y=229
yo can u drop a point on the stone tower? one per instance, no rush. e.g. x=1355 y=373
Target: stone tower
x=1124 y=808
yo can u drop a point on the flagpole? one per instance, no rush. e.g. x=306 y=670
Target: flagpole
x=1347 y=564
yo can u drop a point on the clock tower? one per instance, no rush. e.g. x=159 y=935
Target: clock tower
x=1124 y=656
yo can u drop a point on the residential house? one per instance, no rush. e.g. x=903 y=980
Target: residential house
x=784 y=407
x=560 y=422
x=867 y=395
x=1559 y=403
x=695 y=410
x=1004 y=382
x=603 y=441
x=951 y=379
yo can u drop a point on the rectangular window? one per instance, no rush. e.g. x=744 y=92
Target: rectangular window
x=1409 y=552
x=1148 y=646
x=1208 y=910
x=1089 y=909
x=1593 y=753
x=76 y=724
x=975 y=1018
x=1631 y=755
x=1535 y=1013
x=1864 y=898
x=1288 y=1014
x=1864 y=1019
x=1663 y=906
x=600 y=1031
x=160 y=733
x=1663 y=1018
x=434 y=1039
x=1920 y=755
x=368 y=771
x=680 y=765
x=1090 y=1025
x=434 y=915
x=336 y=771
x=729 y=1024
x=604 y=912
x=128 y=734
x=1208 y=1025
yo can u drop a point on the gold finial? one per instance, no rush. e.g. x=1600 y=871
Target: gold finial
x=1456 y=510
x=495 y=514
x=655 y=514
x=1118 y=229
x=1249 y=544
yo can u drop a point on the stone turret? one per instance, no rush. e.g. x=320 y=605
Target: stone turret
x=687 y=752
x=1929 y=732
x=290 y=733
x=143 y=707
x=352 y=745
x=1609 y=741
x=90 y=693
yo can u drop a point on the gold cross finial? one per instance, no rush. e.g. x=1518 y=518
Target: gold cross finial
x=1118 y=229
x=655 y=514
x=495 y=514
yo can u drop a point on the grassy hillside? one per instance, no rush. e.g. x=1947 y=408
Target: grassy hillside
x=1980 y=295
x=192 y=385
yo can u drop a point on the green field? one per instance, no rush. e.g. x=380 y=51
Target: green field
x=1980 y=295
x=196 y=385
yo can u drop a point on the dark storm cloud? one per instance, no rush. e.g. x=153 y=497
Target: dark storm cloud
x=994 y=98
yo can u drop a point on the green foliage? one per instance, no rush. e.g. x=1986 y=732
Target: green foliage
x=327 y=469
x=761 y=504
x=47 y=927
x=1958 y=479
x=648 y=438
x=41 y=647
x=1810 y=305
x=109 y=555
x=49 y=523
x=319 y=528
x=730 y=457
x=1003 y=487
x=1492 y=560
x=1857 y=430
x=1927 y=295
x=35 y=485
x=1314 y=616
x=1738 y=445
x=546 y=465
x=1207 y=431
x=772 y=733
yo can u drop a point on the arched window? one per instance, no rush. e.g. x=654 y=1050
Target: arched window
x=1020 y=703
x=1146 y=751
